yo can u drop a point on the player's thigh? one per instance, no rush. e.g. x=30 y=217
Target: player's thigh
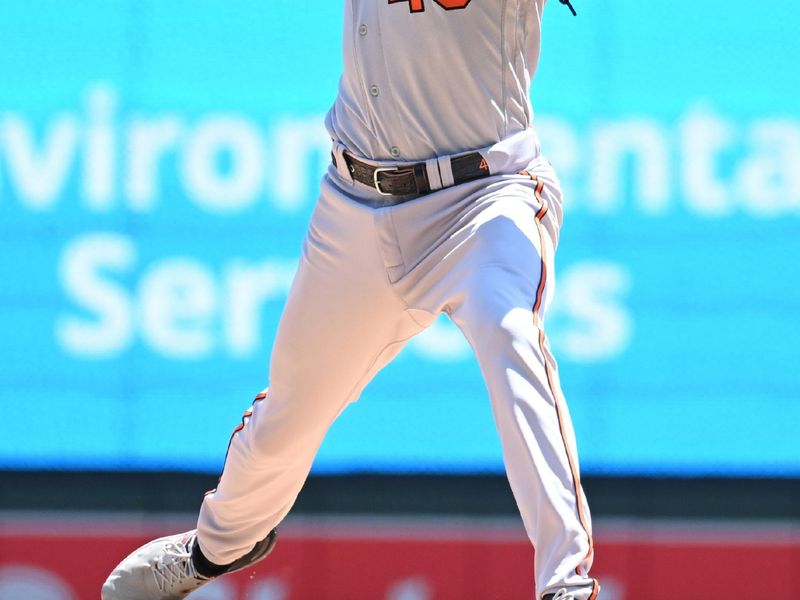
x=507 y=269
x=342 y=320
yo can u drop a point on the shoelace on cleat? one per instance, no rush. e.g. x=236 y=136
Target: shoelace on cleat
x=175 y=568
x=563 y=594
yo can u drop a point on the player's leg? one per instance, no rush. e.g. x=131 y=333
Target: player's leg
x=505 y=283
x=341 y=324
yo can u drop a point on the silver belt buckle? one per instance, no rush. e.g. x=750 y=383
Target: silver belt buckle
x=378 y=183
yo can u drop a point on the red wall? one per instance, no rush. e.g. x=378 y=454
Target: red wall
x=415 y=560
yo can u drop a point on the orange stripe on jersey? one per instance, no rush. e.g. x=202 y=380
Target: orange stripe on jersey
x=550 y=371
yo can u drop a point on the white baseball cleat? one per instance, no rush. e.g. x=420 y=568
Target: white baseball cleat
x=561 y=594
x=574 y=593
x=163 y=569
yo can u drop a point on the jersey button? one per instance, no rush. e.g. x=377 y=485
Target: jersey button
x=362 y=30
x=374 y=90
x=395 y=151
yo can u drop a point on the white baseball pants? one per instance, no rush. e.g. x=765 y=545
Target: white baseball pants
x=369 y=280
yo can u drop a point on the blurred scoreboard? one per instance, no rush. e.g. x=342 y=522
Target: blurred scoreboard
x=159 y=163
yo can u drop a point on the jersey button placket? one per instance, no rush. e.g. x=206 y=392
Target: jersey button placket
x=378 y=82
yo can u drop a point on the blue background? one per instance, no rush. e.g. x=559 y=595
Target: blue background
x=676 y=317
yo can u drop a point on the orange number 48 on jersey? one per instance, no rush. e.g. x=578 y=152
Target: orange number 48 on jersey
x=419 y=5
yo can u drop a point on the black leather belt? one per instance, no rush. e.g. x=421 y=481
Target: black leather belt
x=412 y=179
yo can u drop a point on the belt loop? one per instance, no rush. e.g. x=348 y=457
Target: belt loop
x=341 y=164
x=446 y=171
x=434 y=178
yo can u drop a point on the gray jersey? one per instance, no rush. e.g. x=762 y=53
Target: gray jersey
x=423 y=80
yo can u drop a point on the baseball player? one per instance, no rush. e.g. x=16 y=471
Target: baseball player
x=437 y=200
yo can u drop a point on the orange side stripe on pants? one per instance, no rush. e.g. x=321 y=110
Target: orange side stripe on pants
x=246 y=415
x=595 y=590
x=549 y=370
